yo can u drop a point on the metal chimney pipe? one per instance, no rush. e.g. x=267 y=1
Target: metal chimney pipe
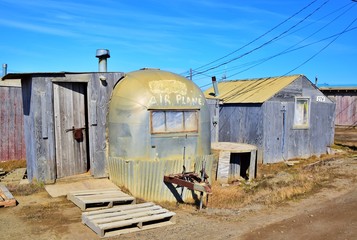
x=4 y=69
x=215 y=86
x=103 y=55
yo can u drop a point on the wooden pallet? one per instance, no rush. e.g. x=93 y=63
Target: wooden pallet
x=6 y=198
x=99 y=199
x=14 y=176
x=127 y=218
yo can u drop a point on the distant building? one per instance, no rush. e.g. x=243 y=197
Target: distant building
x=346 y=103
x=285 y=117
x=345 y=98
x=12 y=141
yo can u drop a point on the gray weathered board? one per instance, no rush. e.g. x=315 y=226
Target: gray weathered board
x=98 y=199
x=127 y=218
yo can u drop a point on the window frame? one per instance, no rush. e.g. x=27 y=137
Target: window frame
x=168 y=131
x=297 y=123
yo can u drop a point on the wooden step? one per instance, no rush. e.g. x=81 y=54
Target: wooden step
x=99 y=199
x=6 y=198
x=127 y=218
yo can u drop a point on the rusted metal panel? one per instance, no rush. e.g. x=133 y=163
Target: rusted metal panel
x=144 y=179
x=12 y=143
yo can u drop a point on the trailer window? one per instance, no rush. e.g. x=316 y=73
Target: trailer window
x=174 y=121
x=302 y=113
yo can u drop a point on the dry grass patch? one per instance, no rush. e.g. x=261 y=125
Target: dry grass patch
x=12 y=165
x=276 y=183
x=25 y=189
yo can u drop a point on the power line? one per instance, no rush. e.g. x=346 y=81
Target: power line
x=335 y=37
x=291 y=49
x=256 y=39
x=326 y=46
x=266 y=43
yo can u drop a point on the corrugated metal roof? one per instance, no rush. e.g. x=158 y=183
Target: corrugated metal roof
x=251 y=90
x=338 y=88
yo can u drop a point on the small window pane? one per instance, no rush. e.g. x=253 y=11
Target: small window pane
x=158 y=121
x=191 y=121
x=174 y=121
x=301 y=115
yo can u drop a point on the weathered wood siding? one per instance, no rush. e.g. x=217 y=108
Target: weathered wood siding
x=39 y=121
x=242 y=123
x=37 y=95
x=70 y=113
x=213 y=106
x=99 y=94
x=269 y=126
x=12 y=142
x=346 y=107
x=281 y=140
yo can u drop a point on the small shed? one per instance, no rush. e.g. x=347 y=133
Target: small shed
x=12 y=143
x=285 y=117
x=65 y=122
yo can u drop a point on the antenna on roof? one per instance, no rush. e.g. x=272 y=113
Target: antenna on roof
x=316 y=79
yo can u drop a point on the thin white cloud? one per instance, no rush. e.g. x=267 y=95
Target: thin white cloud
x=36 y=28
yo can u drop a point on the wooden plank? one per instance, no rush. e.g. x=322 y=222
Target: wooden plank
x=114 y=213
x=99 y=94
x=125 y=219
x=90 y=191
x=252 y=165
x=118 y=209
x=44 y=116
x=6 y=198
x=100 y=199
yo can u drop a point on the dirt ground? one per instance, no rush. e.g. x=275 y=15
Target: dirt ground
x=330 y=213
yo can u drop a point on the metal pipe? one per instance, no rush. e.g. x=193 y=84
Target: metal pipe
x=4 y=69
x=215 y=87
x=103 y=55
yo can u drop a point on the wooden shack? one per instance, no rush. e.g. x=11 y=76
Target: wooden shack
x=345 y=98
x=12 y=143
x=285 y=117
x=65 y=122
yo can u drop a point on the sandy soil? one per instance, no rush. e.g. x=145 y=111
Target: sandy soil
x=329 y=214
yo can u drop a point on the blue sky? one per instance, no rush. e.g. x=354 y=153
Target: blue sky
x=310 y=37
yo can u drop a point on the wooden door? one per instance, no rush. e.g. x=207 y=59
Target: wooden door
x=70 y=128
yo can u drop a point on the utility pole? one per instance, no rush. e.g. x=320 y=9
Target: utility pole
x=191 y=74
